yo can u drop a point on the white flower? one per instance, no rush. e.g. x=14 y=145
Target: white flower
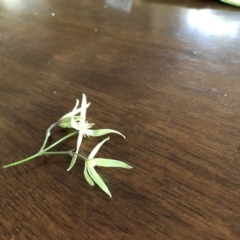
x=84 y=127
x=65 y=121
x=90 y=173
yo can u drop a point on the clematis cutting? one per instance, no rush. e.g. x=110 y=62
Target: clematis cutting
x=76 y=120
x=84 y=128
x=90 y=173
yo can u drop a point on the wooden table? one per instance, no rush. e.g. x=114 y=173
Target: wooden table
x=164 y=73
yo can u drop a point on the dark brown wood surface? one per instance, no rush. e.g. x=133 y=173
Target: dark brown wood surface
x=164 y=73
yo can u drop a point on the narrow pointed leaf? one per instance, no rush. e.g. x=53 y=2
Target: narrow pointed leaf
x=97 y=147
x=72 y=162
x=98 y=180
x=103 y=162
x=101 y=132
x=87 y=177
x=79 y=141
x=232 y=2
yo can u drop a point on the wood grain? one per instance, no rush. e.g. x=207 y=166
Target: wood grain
x=165 y=74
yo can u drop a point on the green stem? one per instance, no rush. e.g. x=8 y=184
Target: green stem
x=43 y=152
x=55 y=153
x=62 y=139
x=65 y=152
x=22 y=161
x=48 y=133
x=80 y=155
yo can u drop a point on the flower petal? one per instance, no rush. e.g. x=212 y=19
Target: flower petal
x=65 y=121
x=67 y=118
x=97 y=147
x=74 y=124
x=98 y=180
x=81 y=108
x=100 y=132
x=76 y=111
x=103 y=162
x=79 y=141
x=87 y=177
x=84 y=110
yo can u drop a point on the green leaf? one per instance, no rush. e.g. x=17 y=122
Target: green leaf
x=103 y=162
x=95 y=150
x=79 y=141
x=97 y=179
x=232 y=2
x=87 y=177
x=72 y=162
x=101 y=132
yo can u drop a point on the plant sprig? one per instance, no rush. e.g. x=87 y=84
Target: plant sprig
x=83 y=129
